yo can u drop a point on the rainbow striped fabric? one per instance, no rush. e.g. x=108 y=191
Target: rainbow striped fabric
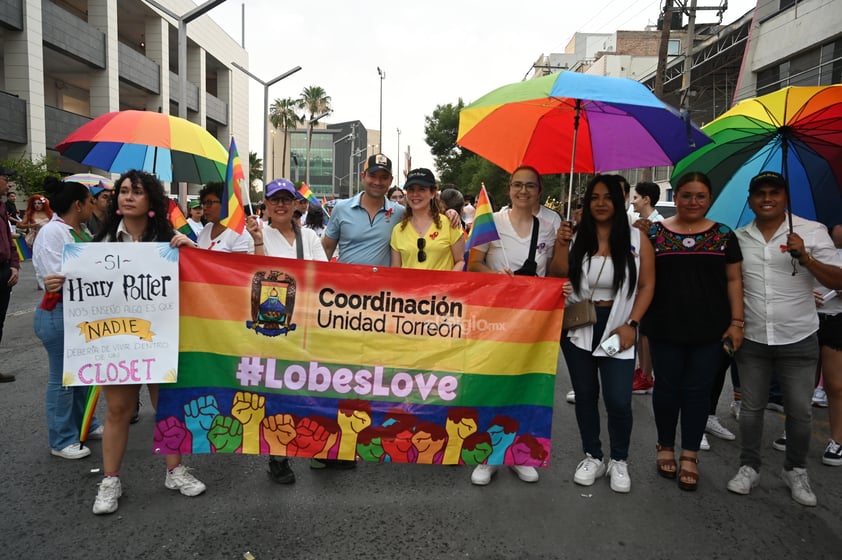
x=24 y=252
x=233 y=216
x=483 y=230
x=310 y=359
x=308 y=194
x=179 y=222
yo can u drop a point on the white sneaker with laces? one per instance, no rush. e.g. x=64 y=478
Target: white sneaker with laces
x=820 y=398
x=799 y=484
x=97 y=432
x=588 y=470
x=715 y=428
x=72 y=451
x=109 y=492
x=180 y=479
x=832 y=454
x=780 y=443
x=745 y=479
x=525 y=473
x=704 y=445
x=618 y=474
x=571 y=397
x=482 y=474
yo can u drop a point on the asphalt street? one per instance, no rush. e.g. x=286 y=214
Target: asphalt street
x=386 y=510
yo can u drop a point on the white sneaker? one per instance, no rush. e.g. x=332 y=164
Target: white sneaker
x=109 y=492
x=588 y=470
x=799 y=483
x=715 y=428
x=820 y=397
x=571 y=397
x=526 y=474
x=482 y=474
x=745 y=479
x=97 y=432
x=72 y=451
x=618 y=474
x=780 y=443
x=735 y=409
x=180 y=479
x=704 y=445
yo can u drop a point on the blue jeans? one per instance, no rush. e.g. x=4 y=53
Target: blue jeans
x=617 y=376
x=684 y=375
x=795 y=367
x=65 y=405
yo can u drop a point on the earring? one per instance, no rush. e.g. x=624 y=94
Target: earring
x=119 y=212
x=151 y=213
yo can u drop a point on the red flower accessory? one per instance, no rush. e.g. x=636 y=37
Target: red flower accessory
x=389 y=213
x=783 y=248
x=434 y=235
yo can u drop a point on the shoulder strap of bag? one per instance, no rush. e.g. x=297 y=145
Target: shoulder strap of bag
x=299 y=245
x=593 y=288
x=534 y=243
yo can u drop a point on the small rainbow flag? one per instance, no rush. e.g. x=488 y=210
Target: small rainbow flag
x=24 y=252
x=233 y=216
x=179 y=222
x=483 y=230
x=308 y=194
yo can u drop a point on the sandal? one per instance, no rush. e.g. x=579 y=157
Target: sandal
x=692 y=476
x=664 y=463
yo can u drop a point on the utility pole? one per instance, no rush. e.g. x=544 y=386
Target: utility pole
x=688 y=59
x=663 y=49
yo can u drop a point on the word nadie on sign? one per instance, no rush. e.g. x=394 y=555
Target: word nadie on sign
x=135 y=287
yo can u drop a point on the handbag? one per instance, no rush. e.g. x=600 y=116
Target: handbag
x=582 y=313
x=530 y=265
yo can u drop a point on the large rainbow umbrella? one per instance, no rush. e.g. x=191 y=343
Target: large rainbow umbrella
x=571 y=122
x=172 y=148
x=796 y=131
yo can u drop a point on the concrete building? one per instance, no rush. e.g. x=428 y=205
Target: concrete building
x=64 y=62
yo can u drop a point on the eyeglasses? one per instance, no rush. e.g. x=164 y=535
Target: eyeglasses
x=422 y=243
x=275 y=200
x=209 y=203
x=698 y=197
x=517 y=185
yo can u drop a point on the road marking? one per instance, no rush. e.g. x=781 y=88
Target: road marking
x=21 y=312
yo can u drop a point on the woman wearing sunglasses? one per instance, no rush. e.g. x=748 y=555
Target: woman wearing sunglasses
x=425 y=238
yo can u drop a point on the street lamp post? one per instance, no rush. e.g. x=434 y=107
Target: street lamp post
x=266 y=86
x=182 y=62
x=310 y=125
x=382 y=74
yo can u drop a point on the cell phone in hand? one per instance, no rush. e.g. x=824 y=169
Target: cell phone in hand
x=728 y=347
x=611 y=345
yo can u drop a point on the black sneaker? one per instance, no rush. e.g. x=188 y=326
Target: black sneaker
x=332 y=464
x=832 y=454
x=280 y=470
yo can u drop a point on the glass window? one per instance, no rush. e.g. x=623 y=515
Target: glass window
x=674 y=47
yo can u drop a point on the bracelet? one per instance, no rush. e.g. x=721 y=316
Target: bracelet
x=258 y=244
x=738 y=323
x=810 y=259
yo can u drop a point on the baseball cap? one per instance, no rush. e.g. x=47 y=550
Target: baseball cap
x=192 y=204
x=378 y=161
x=102 y=186
x=278 y=186
x=420 y=176
x=767 y=178
x=10 y=172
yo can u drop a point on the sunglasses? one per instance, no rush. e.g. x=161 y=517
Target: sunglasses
x=422 y=244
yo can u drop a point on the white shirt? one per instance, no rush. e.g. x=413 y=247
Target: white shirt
x=511 y=250
x=197 y=227
x=276 y=245
x=833 y=306
x=48 y=248
x=229 y=241
x=779 y=307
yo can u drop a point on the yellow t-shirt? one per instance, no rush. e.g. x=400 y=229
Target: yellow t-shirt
x=437 y=245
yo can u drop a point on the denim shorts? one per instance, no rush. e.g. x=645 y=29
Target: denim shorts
x=830 y=331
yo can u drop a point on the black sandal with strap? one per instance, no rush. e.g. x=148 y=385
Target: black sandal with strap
x=693 y=476
x=663 y=463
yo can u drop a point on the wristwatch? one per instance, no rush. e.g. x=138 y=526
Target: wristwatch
x=633 y=324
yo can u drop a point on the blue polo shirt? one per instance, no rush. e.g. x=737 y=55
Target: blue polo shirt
x=361 y=239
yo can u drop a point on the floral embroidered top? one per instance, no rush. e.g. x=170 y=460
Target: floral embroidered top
x=691 y=294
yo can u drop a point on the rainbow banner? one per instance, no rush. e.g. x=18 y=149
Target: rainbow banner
x=308 y=194
x=179 y=222
x=311 y=359
x=232 y=215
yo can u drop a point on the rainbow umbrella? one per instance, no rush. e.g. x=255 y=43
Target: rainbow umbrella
x=88 y=415
x=796 y=131
x=569 y=122
x=90 y=180
x=172 y=148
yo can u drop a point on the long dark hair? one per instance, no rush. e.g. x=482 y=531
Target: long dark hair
x=63 y=195
x=158 y=227
x=587 y=244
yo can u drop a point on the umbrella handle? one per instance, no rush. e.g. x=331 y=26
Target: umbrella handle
x=578 y=109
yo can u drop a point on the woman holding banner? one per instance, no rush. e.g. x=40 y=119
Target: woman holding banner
x=284 y=237
x=524 y=248
x=612 y=266
x=65 y=405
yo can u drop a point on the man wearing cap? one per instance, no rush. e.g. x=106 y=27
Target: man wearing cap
x=779 y=269
x=194 y=220
x=362 y=226
x=102 y=197
x=9 y=264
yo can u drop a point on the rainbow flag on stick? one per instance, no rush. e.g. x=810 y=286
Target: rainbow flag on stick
x=308 y=194
x=24 y=252
x=483 y=231
x=179 y=222
x=233 y=216
x=88 y=415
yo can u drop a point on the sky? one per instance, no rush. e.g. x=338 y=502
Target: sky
x=432 y=52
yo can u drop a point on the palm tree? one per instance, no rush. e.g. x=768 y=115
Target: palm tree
x=283 y=116
x=316 y=102
x=255 y=172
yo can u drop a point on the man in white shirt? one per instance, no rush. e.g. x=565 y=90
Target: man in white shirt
x=194 y=218
x=779 y=269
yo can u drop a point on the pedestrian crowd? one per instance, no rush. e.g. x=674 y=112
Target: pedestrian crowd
x=656 y=305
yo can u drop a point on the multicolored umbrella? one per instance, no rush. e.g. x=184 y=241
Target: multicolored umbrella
x=90 y=180
x=796 y=131
x=173 y=148
x=569 y=122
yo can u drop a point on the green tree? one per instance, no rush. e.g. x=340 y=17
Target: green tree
x=255 y=174
x=315 y=101
x=283 y=116
x=30 y=174
x=440 y=132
